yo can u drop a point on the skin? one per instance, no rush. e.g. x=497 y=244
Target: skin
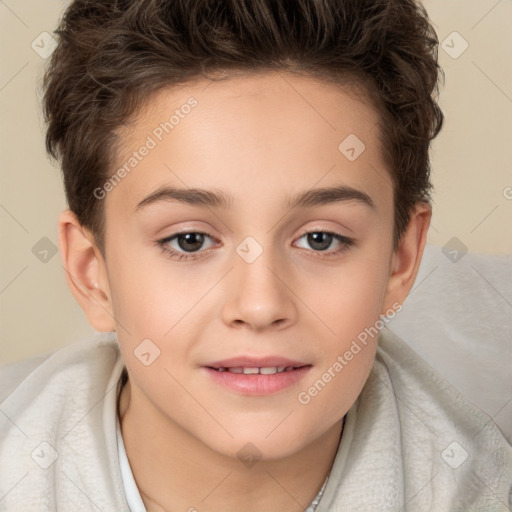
x=259 y=139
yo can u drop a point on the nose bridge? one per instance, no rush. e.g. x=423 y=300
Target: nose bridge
x=257 y=294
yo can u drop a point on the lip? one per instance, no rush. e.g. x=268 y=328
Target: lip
x=252 y=362
x=256 y=384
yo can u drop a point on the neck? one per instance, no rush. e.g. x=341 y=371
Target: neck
x=176 y=471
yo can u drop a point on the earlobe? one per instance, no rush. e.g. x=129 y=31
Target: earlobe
x=406 y=258
x=85 y=271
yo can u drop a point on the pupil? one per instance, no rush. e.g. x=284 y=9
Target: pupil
x=189 y=238
x=320 y=238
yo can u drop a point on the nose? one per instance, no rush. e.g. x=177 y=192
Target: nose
x=259 y=295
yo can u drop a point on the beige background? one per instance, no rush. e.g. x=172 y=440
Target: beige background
x=471 y=160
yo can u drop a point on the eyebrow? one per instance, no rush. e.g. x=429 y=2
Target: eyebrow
x=218 y=199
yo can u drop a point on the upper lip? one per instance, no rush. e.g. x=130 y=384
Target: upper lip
x=255 y=362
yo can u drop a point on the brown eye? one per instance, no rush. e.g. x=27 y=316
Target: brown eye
x=321 y=241
x=190 y=241
x=186 y=245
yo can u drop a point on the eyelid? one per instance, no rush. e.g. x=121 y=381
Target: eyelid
x=175 y=235
x=345 y=241
x=325 y=230
x=173 y=254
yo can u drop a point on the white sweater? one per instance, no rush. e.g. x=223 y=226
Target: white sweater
x=411 y=442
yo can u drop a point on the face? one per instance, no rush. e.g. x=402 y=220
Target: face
x=222 y=252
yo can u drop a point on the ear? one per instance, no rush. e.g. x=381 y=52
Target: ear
x=406 y=258
x=86 y=272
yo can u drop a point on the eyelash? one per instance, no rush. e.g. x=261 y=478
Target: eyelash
x=164 y=245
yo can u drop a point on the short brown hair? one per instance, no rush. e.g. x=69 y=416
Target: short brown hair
x=112 y=55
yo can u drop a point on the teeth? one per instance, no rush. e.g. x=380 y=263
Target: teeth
x=270 y=370
x=248 y=371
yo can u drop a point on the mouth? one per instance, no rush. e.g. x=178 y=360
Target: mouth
x=265 y=370
x=261 y=378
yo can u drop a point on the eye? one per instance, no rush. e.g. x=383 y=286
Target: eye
x=186 y=244
x=320 y=241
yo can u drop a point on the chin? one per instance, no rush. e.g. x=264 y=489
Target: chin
x=250 y=445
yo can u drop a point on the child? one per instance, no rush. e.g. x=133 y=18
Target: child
x=287 y=144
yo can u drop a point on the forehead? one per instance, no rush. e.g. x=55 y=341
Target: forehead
x=261 y=97
x=279 y=130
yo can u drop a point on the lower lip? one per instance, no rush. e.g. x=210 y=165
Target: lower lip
x=258 y=384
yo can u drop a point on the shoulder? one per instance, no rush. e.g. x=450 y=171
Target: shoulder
x=45 y=392
x=97 y=353
x=424 y=391
x=46 y=389
x=441 y=429
x=11 y=375
x=58 y=419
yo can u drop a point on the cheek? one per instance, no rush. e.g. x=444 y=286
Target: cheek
x=350 y=297
x=351 y=311
x=148 y=298
x=155 y=308
x=336 y=385
x=350 y=307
